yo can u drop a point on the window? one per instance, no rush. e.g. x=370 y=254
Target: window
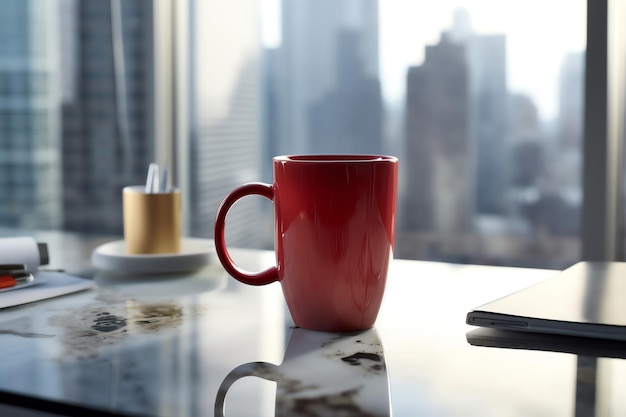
x=485 y=115
x=483 y=101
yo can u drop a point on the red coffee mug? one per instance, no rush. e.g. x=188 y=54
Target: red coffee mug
x=334 y=235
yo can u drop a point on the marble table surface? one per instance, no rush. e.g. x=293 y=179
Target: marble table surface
x=202 y=343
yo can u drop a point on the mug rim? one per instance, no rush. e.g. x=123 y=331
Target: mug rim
x=335 y=158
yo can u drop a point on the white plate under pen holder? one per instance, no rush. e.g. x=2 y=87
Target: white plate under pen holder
x=195 y=253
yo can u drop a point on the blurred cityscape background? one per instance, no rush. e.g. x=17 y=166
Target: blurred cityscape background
x=490 y=173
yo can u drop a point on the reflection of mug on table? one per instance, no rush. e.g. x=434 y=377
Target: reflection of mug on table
x=334 y=236
x=323 y=374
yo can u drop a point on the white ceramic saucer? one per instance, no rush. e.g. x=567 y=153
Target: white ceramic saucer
x=194 y=254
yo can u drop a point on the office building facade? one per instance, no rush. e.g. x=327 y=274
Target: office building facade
x=107 y=136
x=328 y=89
x=30 y=96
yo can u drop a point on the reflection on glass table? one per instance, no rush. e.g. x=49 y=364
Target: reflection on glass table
x=162 y=346
x=581 y=346
x=323 y=374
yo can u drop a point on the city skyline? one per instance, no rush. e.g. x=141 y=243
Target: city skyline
x=400 y=20
x=524 y=23
x=473 y=149
x=500 y=154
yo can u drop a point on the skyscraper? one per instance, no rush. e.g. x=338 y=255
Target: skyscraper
x=270 y=145
x=326 y=46
x=226 y=120
x=30 y=93
x=107 y=121
x=571 y=101
x=439 y=147
x=348 y=118
x=486 y=58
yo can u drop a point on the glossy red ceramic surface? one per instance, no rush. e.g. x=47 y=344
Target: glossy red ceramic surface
x=335 y=229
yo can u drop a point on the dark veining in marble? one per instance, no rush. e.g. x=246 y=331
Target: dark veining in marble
x=292 y=401
x=27 y=335
x=356 y=358
x=106 y=322
x=336 y=404
x=154 y=317
x=87 y=329
x=330 y=341
x=22 y=327
x=371 y=361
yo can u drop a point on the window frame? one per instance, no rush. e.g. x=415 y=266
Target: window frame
x=173 y=25
x=603 y=140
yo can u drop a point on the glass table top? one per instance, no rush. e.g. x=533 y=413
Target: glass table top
x=182 y=345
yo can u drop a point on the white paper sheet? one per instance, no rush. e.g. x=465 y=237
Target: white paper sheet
x=47 y=285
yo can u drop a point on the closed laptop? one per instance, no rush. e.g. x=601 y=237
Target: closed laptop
x=587 y=299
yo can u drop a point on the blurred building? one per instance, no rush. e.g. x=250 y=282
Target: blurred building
x=225 y=119
x=439 y=144
x=270 y=118
x=30 y=97
x=568 y=154
x=571 y=100
x=348 y=119
x=328 y=79
x=107 y=136
x=557 y=211
x=486 y=59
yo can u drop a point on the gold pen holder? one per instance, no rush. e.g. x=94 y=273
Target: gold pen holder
x=152 y=221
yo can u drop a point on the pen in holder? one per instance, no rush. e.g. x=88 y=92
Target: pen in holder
x=152 y=216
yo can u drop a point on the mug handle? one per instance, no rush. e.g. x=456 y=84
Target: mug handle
x=259 y=278
x=263 y=370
